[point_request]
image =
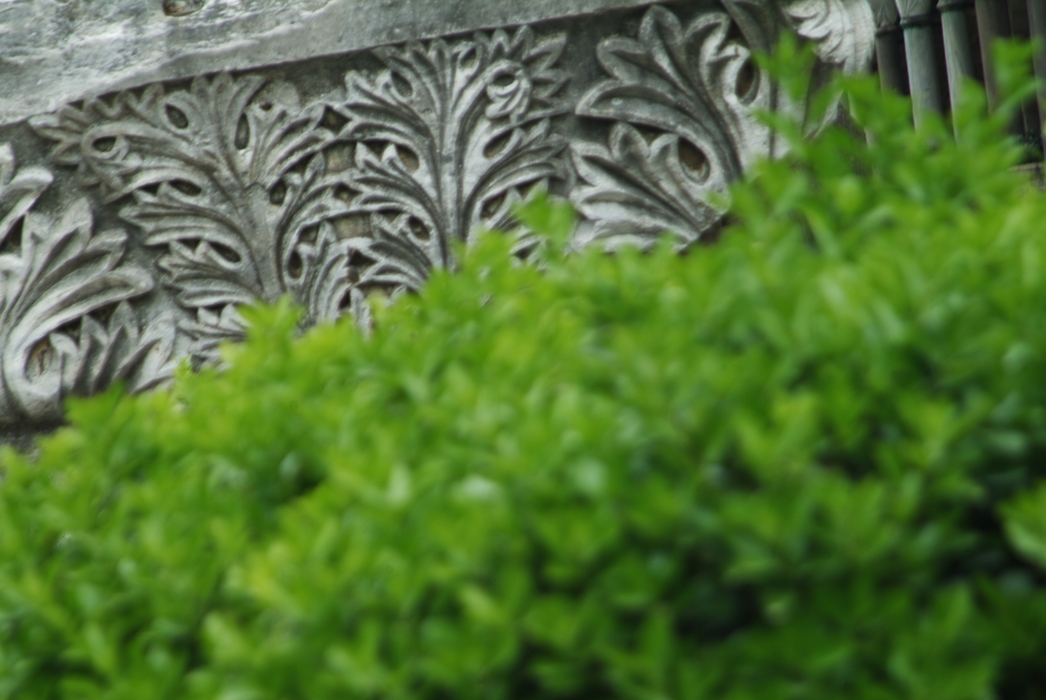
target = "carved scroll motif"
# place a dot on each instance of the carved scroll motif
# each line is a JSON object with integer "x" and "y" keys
{"x": 238, "y": 190}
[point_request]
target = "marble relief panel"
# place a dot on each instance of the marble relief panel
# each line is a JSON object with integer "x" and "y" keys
{"x": 134, "y": 224}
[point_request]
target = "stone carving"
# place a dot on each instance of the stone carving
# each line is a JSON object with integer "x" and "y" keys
{"x": 228, "y": 178}
{"x": 65, "y": 323}
{"x": 449, "y": 138}
{"x": 842, "y": 30}
{"x": 684, "y": 100}
{"x": 234, "y": 189}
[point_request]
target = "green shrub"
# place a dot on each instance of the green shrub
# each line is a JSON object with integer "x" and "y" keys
{"x": 806, "y": 462}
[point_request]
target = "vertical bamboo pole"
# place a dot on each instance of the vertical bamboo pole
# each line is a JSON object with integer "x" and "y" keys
{"x": 958, "y": 47}
{"x": 993, "y": 22}
{"x": 1037, "y": 32}
{"x": 889, "y": 47}
{"x": 918, "y": 24}
{"x": 1037, "y": 29}
{"x": 1028, "y": 119}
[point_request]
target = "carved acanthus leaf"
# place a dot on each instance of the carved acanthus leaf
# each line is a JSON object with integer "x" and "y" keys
{"x": 636, "y": 190}
{"x": 450, "y": 136}
{"x": 692, "y": 90}
{"x": 843, "y": 31}
{"x": 227, "y": 176}
{"x": 685, "y": 102}
{"x": 65, "y": 323}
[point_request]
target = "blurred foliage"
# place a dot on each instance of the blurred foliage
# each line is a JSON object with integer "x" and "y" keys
{"x": 806, "y": 462}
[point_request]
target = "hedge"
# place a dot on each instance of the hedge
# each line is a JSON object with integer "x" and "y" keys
{"x": 806, "y": 462}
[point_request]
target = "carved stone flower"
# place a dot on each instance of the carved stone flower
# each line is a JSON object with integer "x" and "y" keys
{"x": 509, "y": 90}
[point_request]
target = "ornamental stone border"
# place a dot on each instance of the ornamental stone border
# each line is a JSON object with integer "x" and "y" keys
{"x": 163, "y": 162}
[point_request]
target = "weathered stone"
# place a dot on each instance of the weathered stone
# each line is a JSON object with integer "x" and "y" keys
{"x": 328, "y": 149}
{"x": 59, "y": 51}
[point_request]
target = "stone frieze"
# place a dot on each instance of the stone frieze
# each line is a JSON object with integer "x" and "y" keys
{"x": 134, "y": 224}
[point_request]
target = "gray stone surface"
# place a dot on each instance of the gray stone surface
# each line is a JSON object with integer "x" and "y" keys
{"x": 348, "y": 158}
{"x": 58, "y": 51}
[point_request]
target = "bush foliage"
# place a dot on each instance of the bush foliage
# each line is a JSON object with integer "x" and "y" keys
{"x": 806, "y": 462}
